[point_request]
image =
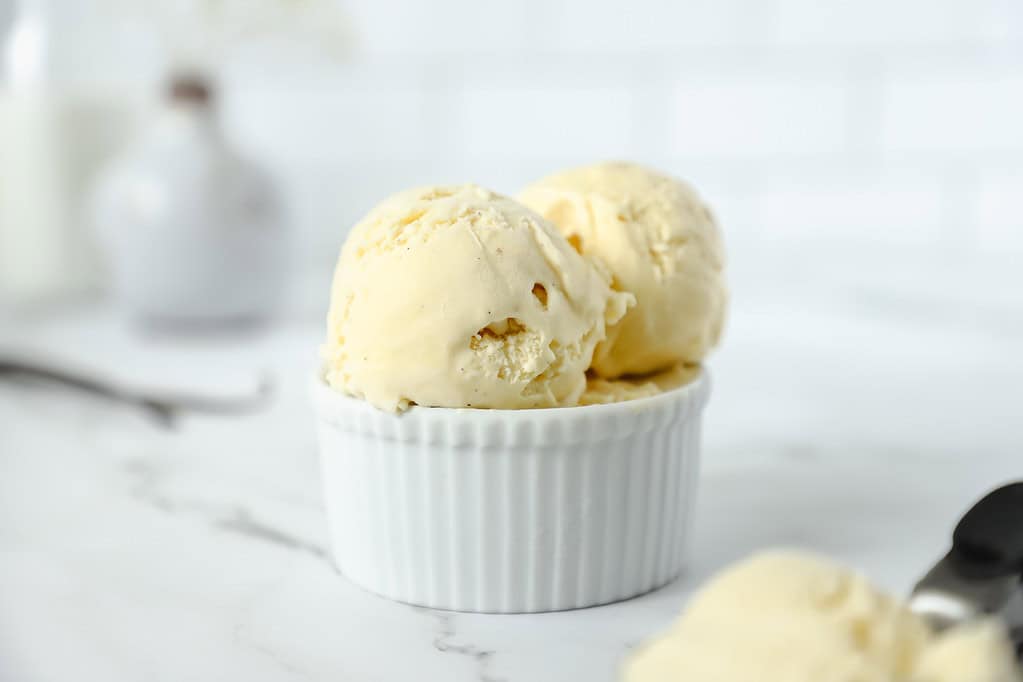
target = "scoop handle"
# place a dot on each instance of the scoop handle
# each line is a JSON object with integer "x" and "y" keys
{"x": 988, "y": 542}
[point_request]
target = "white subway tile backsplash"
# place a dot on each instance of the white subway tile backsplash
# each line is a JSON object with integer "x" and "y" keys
{"x": 546, "y": 122}
{"x": 843, "y": 121}
{"x": 648, "y": 25}
{"x": 388, "y": 121}
{"x": 903, "y": 208}
{"x": 440, "y": 26}
{"x": 758, "y": 116}
{"x": 870, "y": 23}
{"x": 999, "y": 215}
{"x": 963, "y": 112}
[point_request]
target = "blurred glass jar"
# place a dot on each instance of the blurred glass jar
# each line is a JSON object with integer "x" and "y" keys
{"x": 64, "y": 110}
{"x": 192, "y": 233}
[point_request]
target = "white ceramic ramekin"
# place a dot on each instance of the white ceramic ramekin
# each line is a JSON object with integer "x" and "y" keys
{"x": 511, "y": 511}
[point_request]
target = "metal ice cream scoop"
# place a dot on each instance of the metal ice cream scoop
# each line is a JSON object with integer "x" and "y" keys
{"x": 982, "y": 575}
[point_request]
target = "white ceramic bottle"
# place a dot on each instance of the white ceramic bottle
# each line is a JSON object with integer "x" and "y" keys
{"x": 56, "y": 129}
{"x": 193, "y": 233}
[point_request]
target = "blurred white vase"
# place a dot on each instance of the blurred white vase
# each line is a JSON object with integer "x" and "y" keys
{"x": 192, "y": 232}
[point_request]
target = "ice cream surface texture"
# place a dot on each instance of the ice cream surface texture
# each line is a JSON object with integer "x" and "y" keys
{"x": 661, "y": 243}
{"x": 601, "y": 391}
{"x": 461, "y": 297}
{"x": 794, "y": 617}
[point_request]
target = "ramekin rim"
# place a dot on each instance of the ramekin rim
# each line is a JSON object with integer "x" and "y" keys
{"x": 696, "y": 390}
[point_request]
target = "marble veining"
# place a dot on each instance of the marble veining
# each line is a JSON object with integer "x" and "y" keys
{"x": 243, "y": 523}
{"x": 444, "y": 642}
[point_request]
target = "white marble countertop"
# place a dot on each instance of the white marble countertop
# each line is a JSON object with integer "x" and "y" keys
{"x": 861, "y": 404}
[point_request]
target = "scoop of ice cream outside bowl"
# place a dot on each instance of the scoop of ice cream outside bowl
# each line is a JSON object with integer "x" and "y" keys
{"x": 511, "y": 511}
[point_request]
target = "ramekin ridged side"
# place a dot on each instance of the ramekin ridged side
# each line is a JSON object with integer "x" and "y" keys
{"x": 511, "y": 511}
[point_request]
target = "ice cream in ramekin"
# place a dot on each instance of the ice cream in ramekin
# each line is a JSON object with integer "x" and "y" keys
{"x": 474, "y": 457}
{"x": 661, "y": 243}
{"x": 461, "y": 297}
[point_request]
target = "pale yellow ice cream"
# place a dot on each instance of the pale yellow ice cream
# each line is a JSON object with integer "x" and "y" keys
{"x": 661, "y": 243}
{"x": 972, "y": 653}
{"x": 794, "y": 617}
{"x": 600, "y": 391}
{"x": 461, "y": 297}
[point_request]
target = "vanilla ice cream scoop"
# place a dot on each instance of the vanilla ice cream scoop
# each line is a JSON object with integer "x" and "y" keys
{"x": 661, "y": 243}
{"x": 600, "y": 391}
{"x": 461, "y": 297}
{"x": 800, "y": 618}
